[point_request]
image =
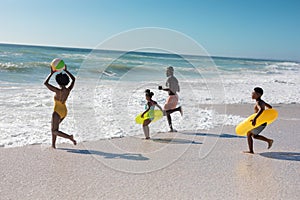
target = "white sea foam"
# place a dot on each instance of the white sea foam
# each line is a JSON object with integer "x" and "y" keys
{"x": 103, "y": 109}
{"x": 278, "y": 88}
{"x": 8, "y": 65}
{"x": 74, "y": 55}
{"x": 94, "y": 112}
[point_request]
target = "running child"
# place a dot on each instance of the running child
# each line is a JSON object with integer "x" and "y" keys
{"x": 150, "y": 109}
{"x": 259, "y": 109}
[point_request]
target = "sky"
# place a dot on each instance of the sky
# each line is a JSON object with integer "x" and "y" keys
{"x": 235, "y": 28}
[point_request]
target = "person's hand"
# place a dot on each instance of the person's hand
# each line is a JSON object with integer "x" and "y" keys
{"x": 142, "y": 115}
{"x": 66, "y": 68}
{"x": 52, "y": 71}
{"x": 253, "y": 122}
{"x": 160, "y": 87}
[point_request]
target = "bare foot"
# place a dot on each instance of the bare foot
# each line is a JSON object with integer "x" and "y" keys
{"x": 172, "y": 130}
{"x": 147, "y": 138}
{"x": 270, "y": 143}
{"x": 251, "y": 152}
{"x": 72, "y": 139}
{"x": 53, "y": 146}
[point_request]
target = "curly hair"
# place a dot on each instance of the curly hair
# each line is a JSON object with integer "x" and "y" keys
{"x": 149, "y": 93}
{"x": 62, "y": 79}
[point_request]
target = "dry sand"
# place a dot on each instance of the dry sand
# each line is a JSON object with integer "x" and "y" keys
{"x": 186, "y": 165}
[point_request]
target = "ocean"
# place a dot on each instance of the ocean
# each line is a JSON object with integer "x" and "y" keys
{"x": 109, "y": 90}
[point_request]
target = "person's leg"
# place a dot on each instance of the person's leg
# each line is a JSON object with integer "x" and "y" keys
{"x": 174, "y": 110}
{"x": 250, "y": 143}
{"x": 263, "y": 138}
{"x": 169, "y": 121}
{"x": 53, "y": 141}
{"x": 146, "y": 128}
{"x": 170, "y": 107}
{"x": 54, "y": 126}
{"x": 55, "y": 132}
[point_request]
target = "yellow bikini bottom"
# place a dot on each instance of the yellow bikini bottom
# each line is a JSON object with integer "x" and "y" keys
{"x": 60, "y": 108}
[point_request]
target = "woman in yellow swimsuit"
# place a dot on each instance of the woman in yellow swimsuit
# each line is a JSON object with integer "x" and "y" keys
{"x": 60, "y": 98}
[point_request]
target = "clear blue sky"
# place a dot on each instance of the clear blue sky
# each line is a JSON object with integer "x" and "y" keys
{"x": 238, "y": 28}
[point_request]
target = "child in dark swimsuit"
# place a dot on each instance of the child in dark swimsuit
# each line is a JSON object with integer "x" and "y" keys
{"x": 149, "y": 111}
{"x": 60, "y": 98}
{"x": 259, "y": 108}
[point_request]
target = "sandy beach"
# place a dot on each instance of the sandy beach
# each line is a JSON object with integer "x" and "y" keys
{"x": 184, "y": 165}
{"x": 86, "y": 70}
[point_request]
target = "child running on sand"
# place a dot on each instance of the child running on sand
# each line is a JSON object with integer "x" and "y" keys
{"x": 150, "y": 109}
{"x": 259, "y": 109}
{"x": 60, "y": 98}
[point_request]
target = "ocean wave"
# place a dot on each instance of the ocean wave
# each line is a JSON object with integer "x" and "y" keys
{"x": 20, "y": 67}
{"x": 286, "y": 66}
{"x": 74, "y": 55}
{"x": 22, "y": 73}
{"x": 119, "y": 67}
{"x": 7, "y": 54}
{"x": 269, "y": 68}
{"x": 109, "y": 73}
{"x": 283, "y": 82}
{"x": 9, "y": 66}
{"x": 154, "y": 56}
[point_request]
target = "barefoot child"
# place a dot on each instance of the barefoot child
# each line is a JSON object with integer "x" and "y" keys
{"x": 259, "y": 109}
{"x": 60, "y": 98}
{"x": 149, "y": 107}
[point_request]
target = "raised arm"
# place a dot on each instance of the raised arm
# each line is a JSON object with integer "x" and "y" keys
{"x": 48, "y": 85}
{"x": 72, "y": 77}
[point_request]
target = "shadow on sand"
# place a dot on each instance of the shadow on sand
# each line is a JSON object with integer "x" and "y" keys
{"x": 127, "y": 156}
{"x": 223, "y": 135}
{"x": 293, "y": 156}
{"x": 175, "y": 141}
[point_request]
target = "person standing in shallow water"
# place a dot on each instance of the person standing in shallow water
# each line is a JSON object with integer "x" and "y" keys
{"x": 60, "y": 98}
{"x": 172, "y": 87}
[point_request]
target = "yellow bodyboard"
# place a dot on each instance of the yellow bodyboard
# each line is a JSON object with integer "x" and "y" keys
{"x": 158, "y": 114}
{"x": 268, "y": 116}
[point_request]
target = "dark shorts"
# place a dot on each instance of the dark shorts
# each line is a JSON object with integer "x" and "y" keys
{"x": 259, "y": 129}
